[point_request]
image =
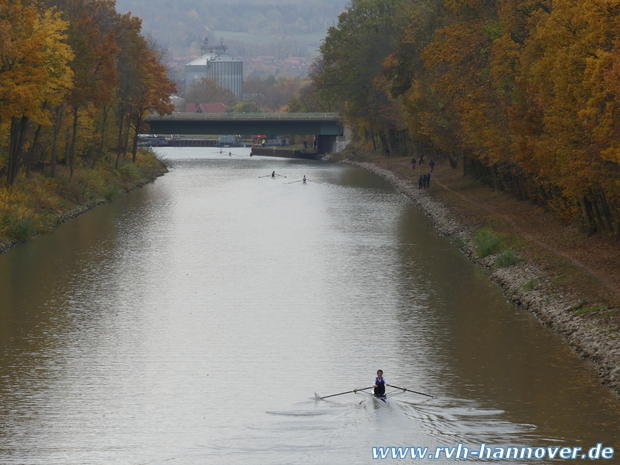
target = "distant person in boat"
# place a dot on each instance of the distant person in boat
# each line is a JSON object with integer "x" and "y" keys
{"x": 379, "y": 384}
{"x": 273, "y": 174}
{"x": 304, "y": 178}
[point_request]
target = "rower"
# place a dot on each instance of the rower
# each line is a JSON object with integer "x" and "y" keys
{"x": 379, "y": 384}
{"x": 304, "y": 178}
{"x": 273, "y": 174}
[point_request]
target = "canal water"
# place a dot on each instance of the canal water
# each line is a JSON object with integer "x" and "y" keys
{"x": 193, "y": 321}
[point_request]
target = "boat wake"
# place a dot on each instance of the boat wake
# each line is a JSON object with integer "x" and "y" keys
{"x": 300, "y": 413}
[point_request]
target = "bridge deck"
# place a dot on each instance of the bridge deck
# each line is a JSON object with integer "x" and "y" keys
{"x": 326, "y": 124}
{"x": 248, "y": 116}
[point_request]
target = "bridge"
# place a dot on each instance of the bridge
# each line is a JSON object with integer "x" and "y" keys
{"x": 319, "y": 124}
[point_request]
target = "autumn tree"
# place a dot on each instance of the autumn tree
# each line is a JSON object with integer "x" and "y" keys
{"x": 94, "y": 66}
{"x": 570, "y": 66}
{"x": 79, "y": 55}
{"x": 152, "y": 92}
{"x": 33, "y": 71}
{"x": 524, "y": 92}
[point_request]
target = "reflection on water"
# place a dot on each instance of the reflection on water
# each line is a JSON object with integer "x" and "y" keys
{"x": 192, "y": 321}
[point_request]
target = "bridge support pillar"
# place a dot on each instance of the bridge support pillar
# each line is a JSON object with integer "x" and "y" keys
{"x": 325, "y": 144}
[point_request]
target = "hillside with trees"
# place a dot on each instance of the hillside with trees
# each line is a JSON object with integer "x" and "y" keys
{"x": 250, "y": 28}
{"x": 522, "y": 94}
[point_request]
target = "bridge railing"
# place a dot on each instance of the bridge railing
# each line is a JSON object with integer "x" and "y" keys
{"x": 249, "y": 116}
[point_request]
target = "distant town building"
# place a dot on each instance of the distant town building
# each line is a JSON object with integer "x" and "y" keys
{"x": 217, "y": 65}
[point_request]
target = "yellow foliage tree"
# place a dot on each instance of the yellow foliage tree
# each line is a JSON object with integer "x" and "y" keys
{"x": 34, "y": 70}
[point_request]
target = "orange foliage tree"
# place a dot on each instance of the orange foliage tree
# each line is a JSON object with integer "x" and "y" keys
{"x": 523, "y": 92}
{"x": 79, "y": 55}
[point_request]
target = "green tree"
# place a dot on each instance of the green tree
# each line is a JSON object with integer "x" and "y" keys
{"x": 352, "y": 66}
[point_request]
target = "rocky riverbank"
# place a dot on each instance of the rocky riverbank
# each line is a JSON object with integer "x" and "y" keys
{"x": 594, "y": 339}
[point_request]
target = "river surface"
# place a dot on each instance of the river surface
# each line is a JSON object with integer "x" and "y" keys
{"x": 193, "y": 320}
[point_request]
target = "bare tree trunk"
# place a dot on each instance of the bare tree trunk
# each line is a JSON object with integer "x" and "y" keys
{"x": 120, "y": 138}
{"x": 605, "y": 209}
{"x": 589, "y": 222}
{"x": 73, "y": 141}
{"x": 18, "y": 131}
{"x": 374, "y": 143}
{"x": 55, "y": 140}
{"x": 134, "y": 148}
{"x": 597, "y": 212}
{"x": 32, "y": 149}
{"x": 453, "y": 160}
{"x": 384, "y": 143}
{"x": 494, "y": 177}
{"x": 126, "y": 136}
{"x": 104, "y": 120}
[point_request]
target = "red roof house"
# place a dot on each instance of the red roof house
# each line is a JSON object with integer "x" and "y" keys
{"x": 205, "y": 108}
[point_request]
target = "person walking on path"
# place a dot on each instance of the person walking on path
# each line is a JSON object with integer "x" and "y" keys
{"x": 431, "y": 165}
{"x": 413, "y": 162}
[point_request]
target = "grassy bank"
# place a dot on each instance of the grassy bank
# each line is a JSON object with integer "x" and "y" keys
{"x": 37, "y": 203}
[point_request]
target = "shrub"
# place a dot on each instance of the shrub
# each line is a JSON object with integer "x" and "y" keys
{"x": 530, "y": 284}
{"x": 487, "y": 242}
{"x": 18, "y": 228}
{"x": 507, "y": 258}
{"x": 128, "y": 171}
{"x": 44, "y": 197}
{"x": 112, "y": 192}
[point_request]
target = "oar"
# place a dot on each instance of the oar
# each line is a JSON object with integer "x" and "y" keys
{"x": 282, "y": 176}
{"x": 341, "y": 393}
{"x": 292, "y": 182}
{"x": 266, "y": 176}
{"x": 409, "y": 390}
